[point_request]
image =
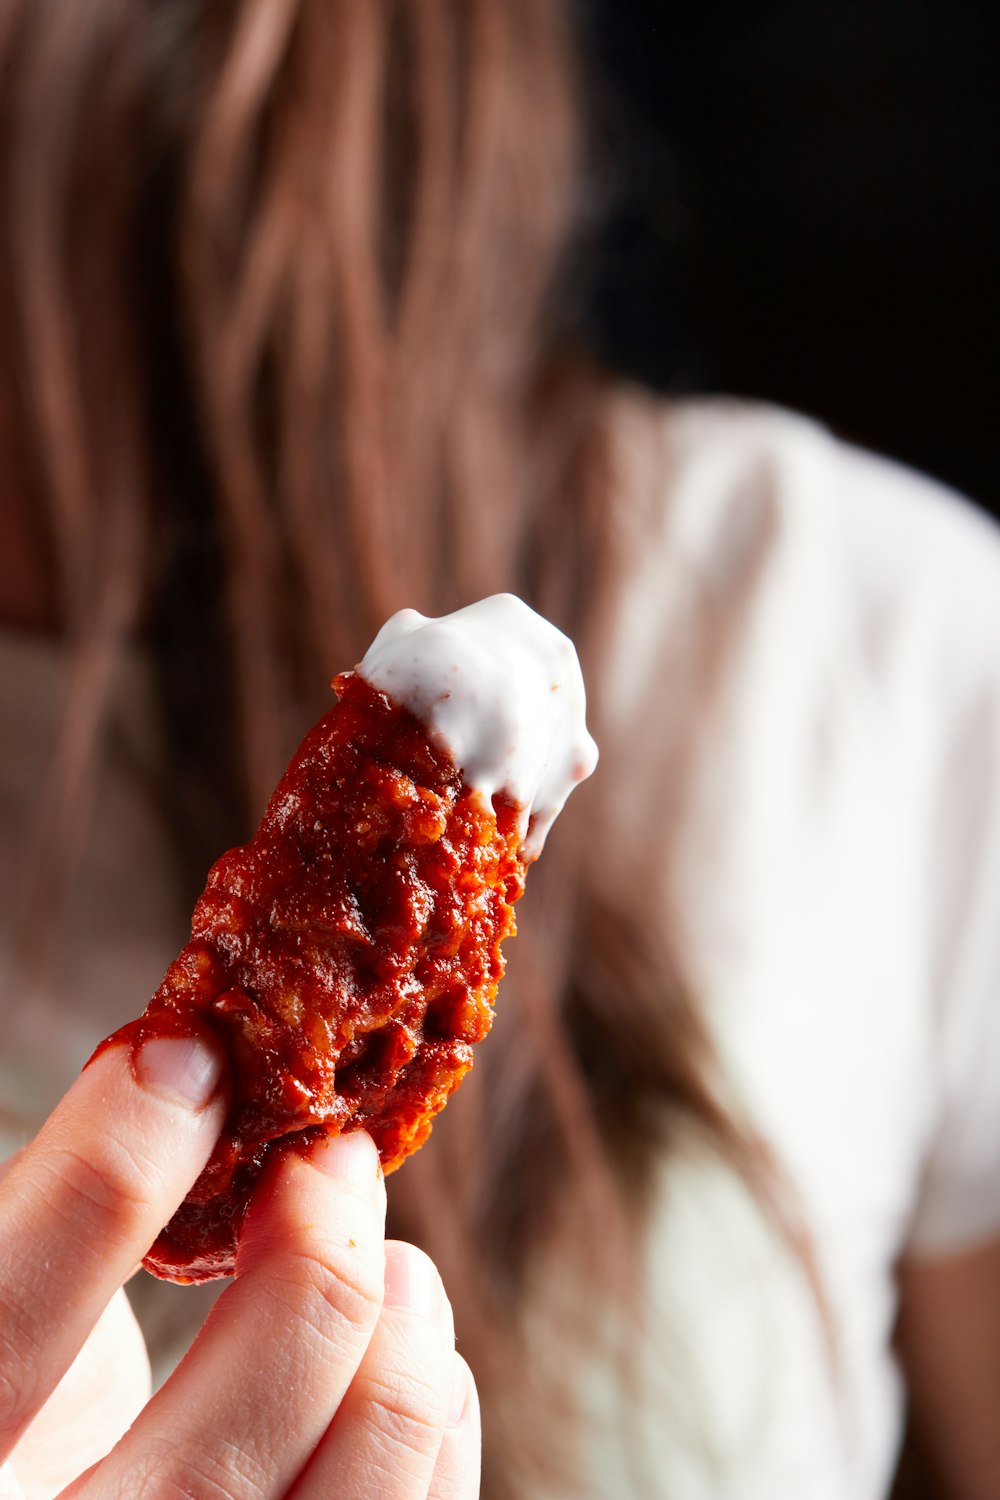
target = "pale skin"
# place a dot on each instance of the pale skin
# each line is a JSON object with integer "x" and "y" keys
{"x": 949, "y": 1339}
{"x": 328, "y": 1367}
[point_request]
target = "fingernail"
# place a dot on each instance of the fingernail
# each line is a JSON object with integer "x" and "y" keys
{"x": 183, "y": 1068}
{"x": 460, "y": 1379}
{"x": 412, "y": 1281}
{"x": 352, "y": 1158}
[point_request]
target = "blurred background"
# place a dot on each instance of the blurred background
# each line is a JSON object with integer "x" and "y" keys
{"x": 799, "y": 200}
{"x": 805, "y": 207}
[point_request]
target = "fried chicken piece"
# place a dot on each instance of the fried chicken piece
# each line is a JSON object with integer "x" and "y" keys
{"x": 348, "y": 956}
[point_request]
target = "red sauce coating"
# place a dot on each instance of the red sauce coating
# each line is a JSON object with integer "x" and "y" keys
{"x": 348, "y": 958}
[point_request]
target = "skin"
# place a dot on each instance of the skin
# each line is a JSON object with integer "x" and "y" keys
{"x": 949, "y": 1339}
{"x": 328, "y": 1366}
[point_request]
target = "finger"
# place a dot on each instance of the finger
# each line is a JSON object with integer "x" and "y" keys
{"x": 97, "y": 1399}
{"x": 244, "y": 1410}
{"x": 456, "y": 1473}
{"x": 384, "y": 1440}
{"x": 85, "y": 1200}
{"x": 9, "y": 1487}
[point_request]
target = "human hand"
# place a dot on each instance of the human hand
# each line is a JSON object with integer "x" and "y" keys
{"x": 327, "y": 1367}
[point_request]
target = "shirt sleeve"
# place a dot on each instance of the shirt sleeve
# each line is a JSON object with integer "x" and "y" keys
{"x": 951, "y": 562}
{"x": 959, "y": 1198}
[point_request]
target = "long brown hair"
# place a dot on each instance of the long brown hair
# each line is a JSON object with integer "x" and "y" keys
{"x": 279, "y": 292}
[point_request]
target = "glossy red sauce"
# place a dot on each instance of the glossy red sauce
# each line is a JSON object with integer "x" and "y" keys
{"x": 348, "y": 958}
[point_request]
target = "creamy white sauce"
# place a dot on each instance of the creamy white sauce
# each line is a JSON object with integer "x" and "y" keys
{"x": 500, "y": 689}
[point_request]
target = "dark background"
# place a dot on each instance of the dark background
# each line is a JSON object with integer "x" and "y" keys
{"x": 800, "y": 203}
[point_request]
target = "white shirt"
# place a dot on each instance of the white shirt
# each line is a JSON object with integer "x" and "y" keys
{"x": 840, "y": 886}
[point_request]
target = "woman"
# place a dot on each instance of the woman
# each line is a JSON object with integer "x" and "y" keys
{"x": 286, "y": 353}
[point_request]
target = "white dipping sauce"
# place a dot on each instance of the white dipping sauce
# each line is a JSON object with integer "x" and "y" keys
{"x": 500, "y": 689}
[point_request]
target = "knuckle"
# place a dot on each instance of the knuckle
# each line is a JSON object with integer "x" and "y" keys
{"x": 162, "y": 1472}
{"x": 338, "y": 1292}
{"x": 107, "y": 1193}
{"x": 405, "y": 1410}
{"x": 153, "y": 1484}
{"x": 12, "y": 1408}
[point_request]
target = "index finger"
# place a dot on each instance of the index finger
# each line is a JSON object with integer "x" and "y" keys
{"x": 82, "y": 1204}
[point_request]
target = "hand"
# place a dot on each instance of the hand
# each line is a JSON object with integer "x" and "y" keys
{"x": 326, "y": 1368}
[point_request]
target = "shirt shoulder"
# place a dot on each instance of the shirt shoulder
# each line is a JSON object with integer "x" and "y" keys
{"x": 716, "y": 457}
{"x": 856, "y": 556}
{"x": 863, "y": 739}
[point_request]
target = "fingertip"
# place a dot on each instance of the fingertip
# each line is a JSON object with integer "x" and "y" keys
{"x": 413, "y": 1282}
{"x": 350, "y": 1157}
{"x": 186, "y": 1070}
{"x": 176, "y": 1058}
{"x": 312, "y": 1191}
